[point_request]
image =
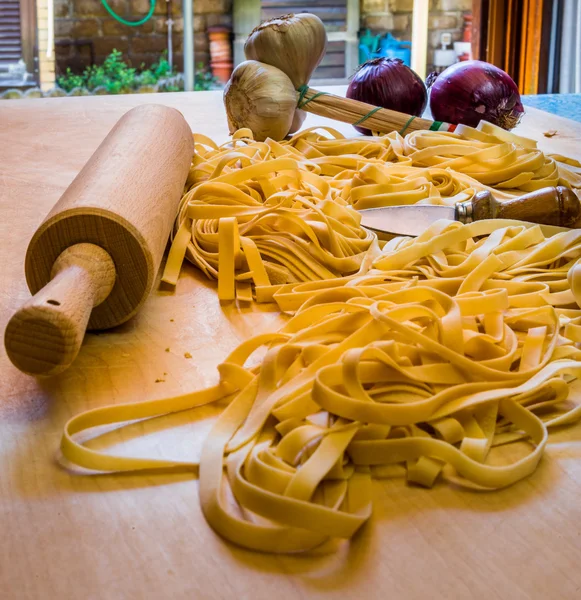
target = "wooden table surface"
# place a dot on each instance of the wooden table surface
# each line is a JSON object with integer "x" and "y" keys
{"x": 115, "y": 537}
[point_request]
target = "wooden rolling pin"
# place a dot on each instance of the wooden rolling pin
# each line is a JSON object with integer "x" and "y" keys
{"x": 93, "y": 260}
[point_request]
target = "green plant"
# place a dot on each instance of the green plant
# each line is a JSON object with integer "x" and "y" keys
{"x": 158, "y": 70}
{"x": 162, "y": 68}
{"x": 115, "y": 76}
{"x": 204, "y": 80}
{"x": 171, "y": 84}
{"x": 146, "y": 77}
{"x": 70, "y": 81}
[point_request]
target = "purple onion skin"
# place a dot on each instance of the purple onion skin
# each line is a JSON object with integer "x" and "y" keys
{"x": 389, "y": 83}
{"x": 473, "y": 90}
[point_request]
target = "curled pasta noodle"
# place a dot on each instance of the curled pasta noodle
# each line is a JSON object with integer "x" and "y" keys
{"x": 291, "y": 222}
{"x": 292, "y": 201}
{"x": 437, "y": 354}
{"x": 481, "y": 156}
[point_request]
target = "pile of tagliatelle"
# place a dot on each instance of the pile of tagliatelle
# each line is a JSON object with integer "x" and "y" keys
{"x": 282, "y": 212}
{"x": 419, "y": 356}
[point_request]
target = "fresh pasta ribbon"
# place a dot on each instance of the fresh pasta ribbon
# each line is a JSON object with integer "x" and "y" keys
{"x": 428, "y": 361}
{"x": 293, "y": 201}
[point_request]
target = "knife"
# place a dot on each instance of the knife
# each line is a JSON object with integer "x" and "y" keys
{"x": 558, "y": 207}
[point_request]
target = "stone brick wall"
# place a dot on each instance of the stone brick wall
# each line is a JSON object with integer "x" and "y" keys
{"x": 395, "y": 16}
{"x": 87, "y": 22}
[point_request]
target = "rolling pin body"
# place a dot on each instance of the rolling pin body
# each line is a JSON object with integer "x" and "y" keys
{"x": 118, "y": 212}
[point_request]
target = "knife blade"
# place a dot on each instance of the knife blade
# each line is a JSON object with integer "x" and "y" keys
{"x": 558, "y": 208}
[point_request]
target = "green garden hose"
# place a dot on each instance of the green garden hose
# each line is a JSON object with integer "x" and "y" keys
{"x": 130, "y": 23}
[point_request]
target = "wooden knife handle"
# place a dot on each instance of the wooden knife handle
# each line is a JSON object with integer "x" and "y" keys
{"x": 44, "y": 336}
{"x": 549, "y": 206}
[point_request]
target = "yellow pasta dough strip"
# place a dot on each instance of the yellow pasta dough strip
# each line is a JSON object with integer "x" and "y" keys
{"x": 177, "y": 253}
{"x": 229, "y": 244}
{"x": 272, "y": 187}
{"x": 420, "y": 354}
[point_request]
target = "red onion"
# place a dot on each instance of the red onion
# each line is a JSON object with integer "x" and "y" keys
{"x": 471, "y": 91}
{"x": 388, "y": 83}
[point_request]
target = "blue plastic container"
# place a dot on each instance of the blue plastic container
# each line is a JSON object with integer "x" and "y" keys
{"x": 376, "y": 46}
{"x": 391, "y": 47}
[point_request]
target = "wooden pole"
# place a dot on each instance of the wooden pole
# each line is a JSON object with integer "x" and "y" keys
{"x": 420, "y": 36}
{"x": 188, "y": 11}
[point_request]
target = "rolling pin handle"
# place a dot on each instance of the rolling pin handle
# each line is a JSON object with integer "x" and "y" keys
{"x": 45, "y": 335}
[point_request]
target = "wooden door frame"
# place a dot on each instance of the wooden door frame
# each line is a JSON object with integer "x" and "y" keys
{"x": 479, "y": 13}
{"x": 28, "y": 36}
{"x": 511, "y": 36}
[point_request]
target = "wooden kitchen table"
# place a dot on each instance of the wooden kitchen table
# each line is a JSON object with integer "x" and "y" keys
{"x": 66, "y": 536}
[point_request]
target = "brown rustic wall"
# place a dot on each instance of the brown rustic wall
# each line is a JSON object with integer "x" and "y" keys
{"x": 85, "y": 25}
{"x": 396, "y": 16}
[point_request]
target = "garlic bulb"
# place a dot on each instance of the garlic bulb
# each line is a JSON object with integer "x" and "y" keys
{"x": 293, "y": 43}
{"x": 298, "y": 118}
{"x": 262, "y": 98}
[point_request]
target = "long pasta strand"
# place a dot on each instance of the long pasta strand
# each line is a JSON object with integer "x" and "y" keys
{"x": 293, "y": 201}
{"x": 440, "y": 351}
